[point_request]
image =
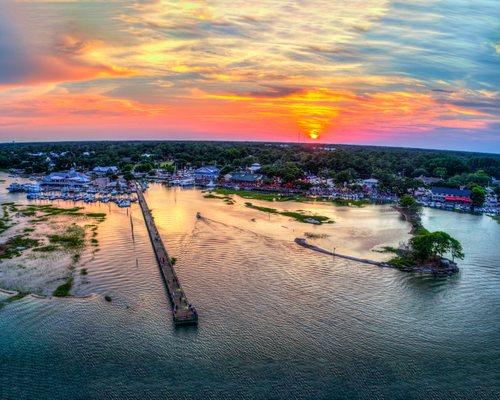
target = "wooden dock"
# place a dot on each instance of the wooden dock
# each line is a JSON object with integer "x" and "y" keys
{"x": 183, "y": 312}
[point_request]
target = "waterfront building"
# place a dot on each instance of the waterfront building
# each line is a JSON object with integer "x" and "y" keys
{"x": 105, "y": 170}
{"x": 206, "y": 173}
{"x": 444, "y": 194}
{"x": 243, "y": 177}
{"x": 69, "y": 178}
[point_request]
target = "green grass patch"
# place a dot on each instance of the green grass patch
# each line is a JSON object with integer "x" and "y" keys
{"x": 83, "y": 271}
{"x": 4, "y": 225}
{"x": 100, "y": 216}
{"x": 47, "y": 249}
{"x": 16, "y": 245}
{"x": 496, "y": 218}
{"x": 11, "y": 299}
{"x": 386, "y": 249}
{"x": 50, "y": 210}
{"x": 64, "y": 289}
{"x": 214, "y": 196}
{"x": 263, "y": 209}
{"x": 73, "y": 238}
{"x": 254, "y": 195}
{"x": 27, "y": 230}
{"x": 297, "y": 215}
{"x": 401, "y": 262}
{"x": 350, "y": 203}
{"x": 306, "y": 218}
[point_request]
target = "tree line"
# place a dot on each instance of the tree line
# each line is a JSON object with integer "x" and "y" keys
{"x": 396, "y": 168}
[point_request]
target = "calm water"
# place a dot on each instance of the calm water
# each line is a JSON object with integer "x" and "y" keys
{"x": 276, "y": 321}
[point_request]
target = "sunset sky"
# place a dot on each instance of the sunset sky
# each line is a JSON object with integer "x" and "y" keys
{"x": 402, "y": 73}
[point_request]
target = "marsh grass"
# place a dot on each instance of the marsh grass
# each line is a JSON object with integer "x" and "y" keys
{"x": 47, "y": 249}
{"x": 350, "y": 203}
{"x": 254, "y": 195}
{"x": 49, "y": 210}
{"x": 64, "y": 289}
{"x": 16, "y": 245}
{"x": 297, "y": 215}
{"x": 72, "y": 239}
{"x": 11, "y": 299}
{"x": 100, "y": 217}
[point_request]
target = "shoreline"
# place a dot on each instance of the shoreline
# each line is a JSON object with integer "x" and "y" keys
{"x": 423, "y": 269}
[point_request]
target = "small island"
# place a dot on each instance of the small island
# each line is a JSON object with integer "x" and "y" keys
{"x": 425, "y": 251}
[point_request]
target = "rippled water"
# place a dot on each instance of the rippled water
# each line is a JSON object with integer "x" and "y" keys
{"x": 276, "y": 321}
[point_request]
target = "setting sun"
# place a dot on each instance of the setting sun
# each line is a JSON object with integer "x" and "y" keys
{"x": 314, "y": 134}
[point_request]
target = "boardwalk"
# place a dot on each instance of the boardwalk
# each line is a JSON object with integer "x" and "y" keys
{"x": 183, "y": 312}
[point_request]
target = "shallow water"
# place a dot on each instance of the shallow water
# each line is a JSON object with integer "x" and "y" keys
{"x": 276, "y": 321}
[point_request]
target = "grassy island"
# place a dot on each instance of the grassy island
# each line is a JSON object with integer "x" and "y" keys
{"x": 296, "y": 215}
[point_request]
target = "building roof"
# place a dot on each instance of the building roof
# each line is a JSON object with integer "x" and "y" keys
{"x": 245, "y": 177}
{"x": 458, "y": 198}
{"x": 105, "y": 169}
{"x": 450, "y": 191}
{"x": 428, "y": 179}
{"x": 71, "y": 175}
{"x": 209, "y": 169}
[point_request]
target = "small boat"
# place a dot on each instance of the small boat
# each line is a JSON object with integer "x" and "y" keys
{"x": 124, "y": 203}
{"x": 187, "y": 182}
{"x": 198, "y": 215}
{"x": 32, "y": 188}
{"x": 15, "y": 187}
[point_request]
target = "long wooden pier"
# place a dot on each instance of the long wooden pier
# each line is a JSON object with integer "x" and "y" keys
{"x": 183, "y": 312}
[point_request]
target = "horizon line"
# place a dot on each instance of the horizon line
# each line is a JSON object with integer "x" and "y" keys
{"x": 301, "y": 143}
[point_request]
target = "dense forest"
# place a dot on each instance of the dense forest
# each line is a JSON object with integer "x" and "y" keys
{"x": 289, "y": 161}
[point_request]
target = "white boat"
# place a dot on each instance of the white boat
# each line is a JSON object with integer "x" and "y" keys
{"x": 124, "y": 203}
{"x": 186, "y": 182}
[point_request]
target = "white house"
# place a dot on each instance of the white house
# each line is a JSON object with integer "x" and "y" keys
{"x": 105, "y": 170}
{"x": 255, "y": 167}
{"x": 371, "y": 182}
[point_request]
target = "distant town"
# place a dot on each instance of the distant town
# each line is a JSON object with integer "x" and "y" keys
{"x": 92, "y": 172}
